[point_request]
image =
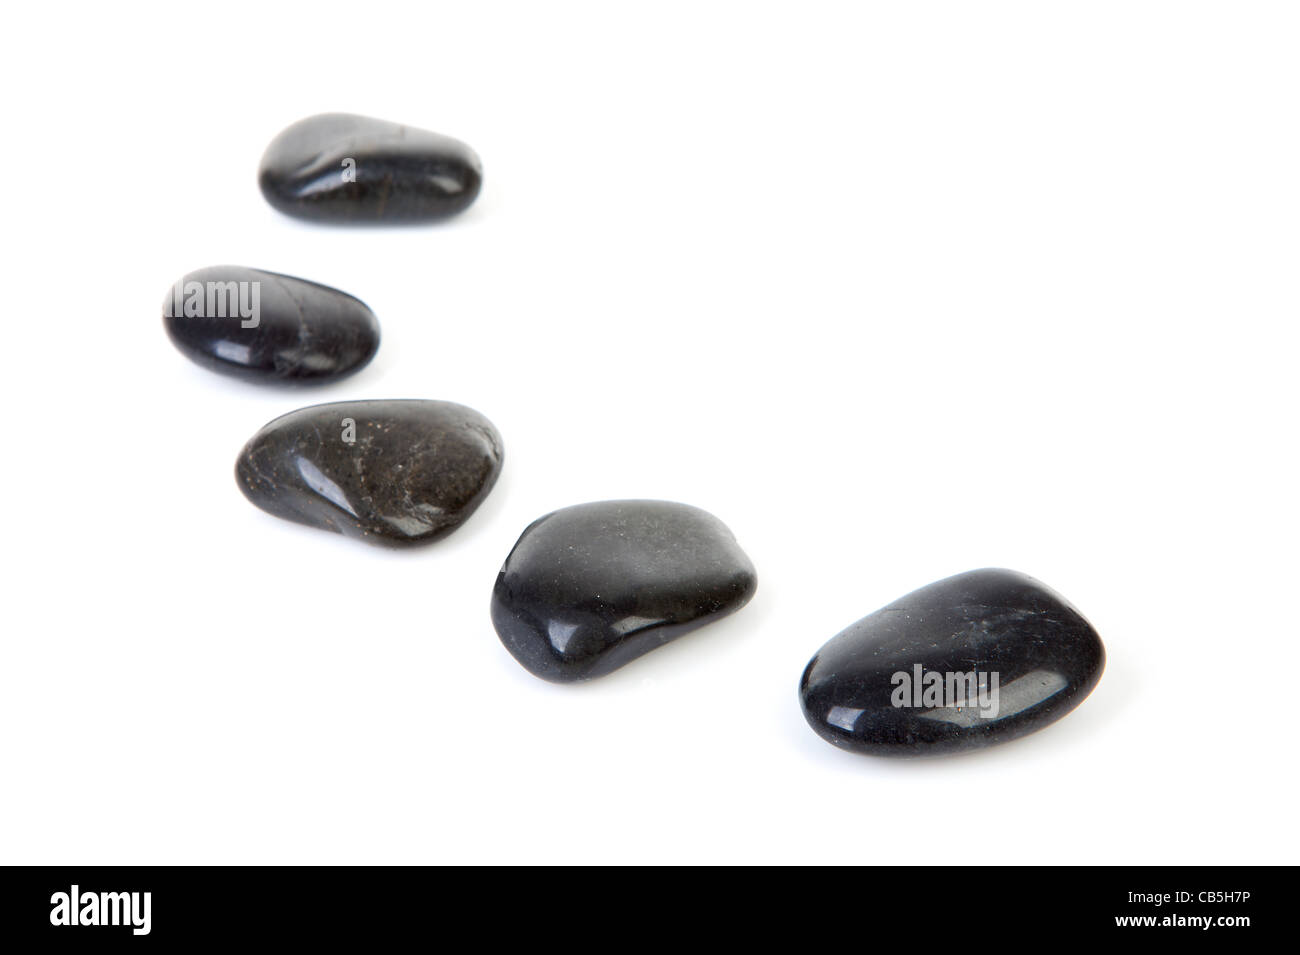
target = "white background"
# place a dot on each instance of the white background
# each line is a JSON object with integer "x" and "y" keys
{"x": 897, "y": 291}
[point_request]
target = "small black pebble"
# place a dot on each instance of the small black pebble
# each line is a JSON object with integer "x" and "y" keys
{"x": 589, "y": 588}
{"x": 387, "y": 472}
{"x": 266, "y": 327}
{"x": 341, "y": 168}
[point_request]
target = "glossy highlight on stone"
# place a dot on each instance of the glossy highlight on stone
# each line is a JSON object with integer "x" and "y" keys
{"x": 269, "y": 328}
{"x": 1011, "y": 657}
{"x": 589, "y": 588}
{"x": 393, "y": 472}
{"x": 343, "y": 168}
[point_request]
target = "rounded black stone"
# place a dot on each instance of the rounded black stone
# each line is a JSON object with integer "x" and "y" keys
{"x": 387, "y": 472}
{"x": 342, "y": 168}
{"x": 869, "y": 689}
{"x": 266, "y": 327}
{"x": 589, "y": 588}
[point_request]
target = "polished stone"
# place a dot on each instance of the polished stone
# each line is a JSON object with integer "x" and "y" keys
{"x": 386, "y": 472}
{"x": 591, "y": 587}
{"x": 266, "y": 327}
{"x": 337, "y": 167}
{"x": 1023, "y": 655}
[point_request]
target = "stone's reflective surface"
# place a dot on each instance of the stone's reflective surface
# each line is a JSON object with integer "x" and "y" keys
{"x": 266, "y": 327}
{"x": 386, "y": 472}
{"x": 337, "y": 167}
{"x": 591, "y": 587}
{"x": 1039, "y": 657}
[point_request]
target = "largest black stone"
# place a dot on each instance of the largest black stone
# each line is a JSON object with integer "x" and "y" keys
{"x": 343, "y": 168}
{"x": 385, "y": 472}
{"x": 592, "y": 587}
{"x": 1045, "y": 655}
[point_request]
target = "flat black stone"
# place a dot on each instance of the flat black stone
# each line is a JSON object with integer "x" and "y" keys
{"x": 1046, "y": 656}
{"x": 266, "y": 327}
{"x": 592, "y": 587}
{"x": 414, "y": 471}
{"x": 341, "y": 168}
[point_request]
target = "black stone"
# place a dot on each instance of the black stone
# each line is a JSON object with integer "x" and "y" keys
{"x": 412, "y": 473}
{"x": 337, "y": 167}
{"x": 266, "y": 327}
{"x": 592, "y": 587}
{"x": 1046, "y": 656}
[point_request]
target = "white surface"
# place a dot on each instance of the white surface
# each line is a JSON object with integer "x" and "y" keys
{"x": 895, "y": 291}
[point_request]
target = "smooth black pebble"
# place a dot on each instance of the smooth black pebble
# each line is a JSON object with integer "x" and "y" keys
{"x": 266, "y": 327}
{"x": 342, "y": 168}
{"x": 1032, "y": 656}
{"x": 589, "y": 588}
{"x": 386, "y": 472}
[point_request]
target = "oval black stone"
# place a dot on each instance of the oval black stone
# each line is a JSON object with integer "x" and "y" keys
{"x": 341, "y": 168}
{"x": 1010, "y": 656}
{"x": 387, "y": 472}
{"x": 266, "y": 327}
{"x": 589, "y": 588}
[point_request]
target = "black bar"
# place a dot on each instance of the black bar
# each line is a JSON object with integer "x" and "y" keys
{"x": 378, "y": 906}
